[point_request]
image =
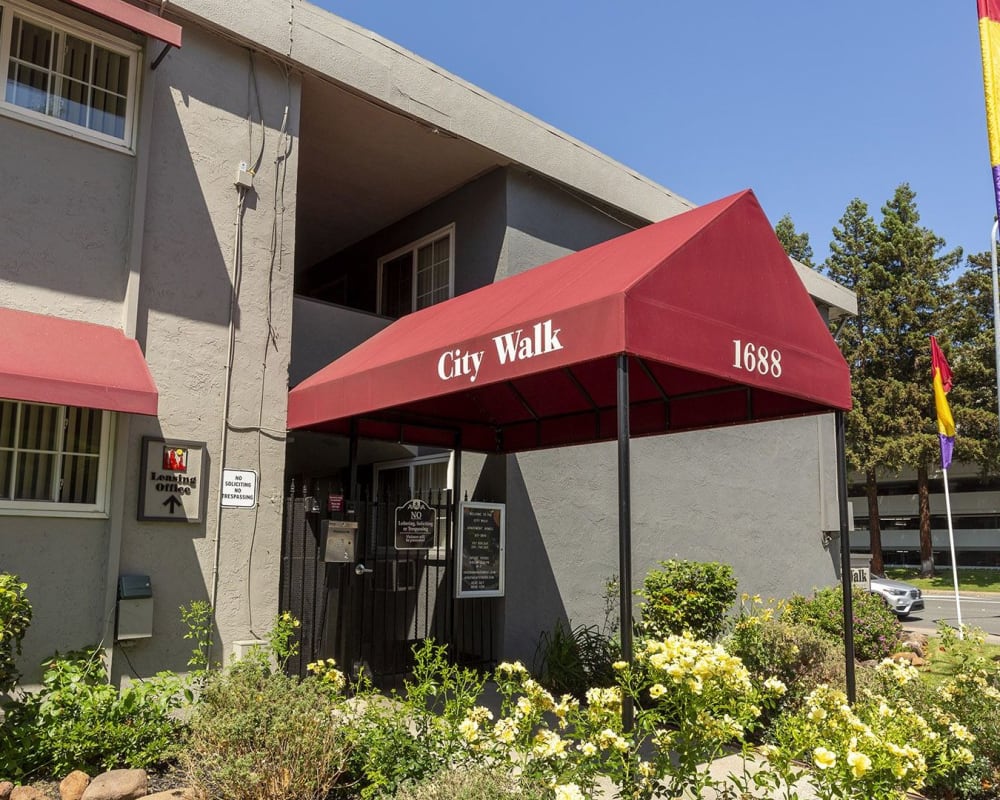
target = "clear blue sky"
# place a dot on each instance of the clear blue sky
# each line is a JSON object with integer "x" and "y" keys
{"x": 809, "y": 104}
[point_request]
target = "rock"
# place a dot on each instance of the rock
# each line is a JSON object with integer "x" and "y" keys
{"x": 73, "y": 785}
{"x": 910, "y": 657}
{"x": 913, "y": 646}
{"x": 6, "y": 787}
{"x": 118, "y": 784}
{"x": 26, "y": 793}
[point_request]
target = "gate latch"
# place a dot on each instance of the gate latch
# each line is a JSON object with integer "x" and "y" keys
{"x": 361, "y": 569}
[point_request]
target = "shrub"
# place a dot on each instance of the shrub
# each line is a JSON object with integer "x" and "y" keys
{"x": 15, "y": 617}
{"x": 575, "y": 660}
{"x": 408, "y": 737}
{"x": 971, "y": 696}
{"x": 258, "y": 733}
{"x": 79, "y": 721}
{"x": 774, "y": 647}
{"x": 876, "y": 629}
{"x": 690, "y": 596}
{"x": 878, "y": 749}
{"x": 473, "y": 784}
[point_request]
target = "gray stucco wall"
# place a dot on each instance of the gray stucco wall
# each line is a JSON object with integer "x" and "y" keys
{"x": 546, "y": 221}
{"x": 200, "y": 135}
{"x": 322, "y": 332}
{"x": 67, "y": 243}
{"x": 64, "y": 219}
{"x": 478, "y": 212}
{"x": 749, "y": 496}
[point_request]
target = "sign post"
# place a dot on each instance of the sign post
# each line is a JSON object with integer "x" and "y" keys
{"x": 480, "y": 550}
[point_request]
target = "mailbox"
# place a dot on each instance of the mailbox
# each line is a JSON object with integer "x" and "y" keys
{"x": 338, "y": 540}
{"x": 135, "y": 607}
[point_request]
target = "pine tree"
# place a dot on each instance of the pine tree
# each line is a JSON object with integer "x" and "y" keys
{"x": 796, "y": 244}
{"x": 918, "y": 272}
{"x": 853, "y": 263}
{"x": 973, "y": 398}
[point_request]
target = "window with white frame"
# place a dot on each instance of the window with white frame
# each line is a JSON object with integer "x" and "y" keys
{"x": 418, "y": 275}
{"x": 52, "y": 458}
{"x": 65, "y": 75}
{"x": 424, "y": 477}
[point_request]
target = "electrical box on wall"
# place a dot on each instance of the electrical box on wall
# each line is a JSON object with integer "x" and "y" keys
{"x": 338, "y": 540}
{"x": 135, "y": 608}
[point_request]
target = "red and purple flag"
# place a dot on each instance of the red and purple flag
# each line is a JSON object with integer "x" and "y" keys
{"x": 941, "y": 374}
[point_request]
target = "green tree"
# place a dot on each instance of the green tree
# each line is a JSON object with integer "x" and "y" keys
{"x": 900, "y": 275}
{"x": 853, "y": 262}
{"x": 796, "y": 244}
{"x": 912, "y": 257}
{"x": 973, "y": 398}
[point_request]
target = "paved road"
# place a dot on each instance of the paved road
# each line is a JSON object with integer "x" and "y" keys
{"x": 979, "y": 610}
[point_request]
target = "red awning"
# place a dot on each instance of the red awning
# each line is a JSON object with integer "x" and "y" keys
{"x": 717, "y": 325}
{"x": 63, "y": 362}
{"x": 134, "y": 18}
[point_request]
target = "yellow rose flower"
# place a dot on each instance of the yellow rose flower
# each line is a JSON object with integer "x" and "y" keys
{"x": 859, "y": 763}
{"x": 823, "y": 758}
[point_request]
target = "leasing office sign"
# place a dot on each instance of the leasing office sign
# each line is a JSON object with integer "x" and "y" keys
{"x": 521, "y": 344}
{"x": 172, "y": 487}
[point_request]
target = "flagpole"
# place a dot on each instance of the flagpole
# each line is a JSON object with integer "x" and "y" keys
{"x": 954, "y": 563}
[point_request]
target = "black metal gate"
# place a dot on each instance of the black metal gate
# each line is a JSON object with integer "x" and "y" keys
{"x": 370, "y": 613}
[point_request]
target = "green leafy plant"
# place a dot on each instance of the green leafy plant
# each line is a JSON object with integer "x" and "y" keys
{"x": 574, "y": 660}
{"x": 197, "y": 618}
{"x": 690, "y": 596}
{"x": 258, "y": 733}
{"x": 412, "y": 735}
{"x": 79, "y": 721}
{"x": 876, "y": 629}
{"x": 15, "y": 617}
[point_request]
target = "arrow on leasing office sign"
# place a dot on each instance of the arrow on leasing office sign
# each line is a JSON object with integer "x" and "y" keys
{"x": 172, "y": 503}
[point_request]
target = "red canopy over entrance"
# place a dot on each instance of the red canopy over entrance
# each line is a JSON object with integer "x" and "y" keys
{"x": 716, "y": 324}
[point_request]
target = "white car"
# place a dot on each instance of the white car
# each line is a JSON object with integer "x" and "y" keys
{"x": 901, "y": 598}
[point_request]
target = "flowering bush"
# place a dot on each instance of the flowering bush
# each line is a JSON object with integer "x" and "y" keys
{"x": 876, "y": 750}
{"x": 876, "y": 629}
{"x": 771, "y": 645}
{"x": 691, "y": 699}
{"x": 407, "y": 737}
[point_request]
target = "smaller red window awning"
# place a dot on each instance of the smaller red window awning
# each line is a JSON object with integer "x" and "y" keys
{"x": 134, "y": 18}
{"x": 60, "y": 361}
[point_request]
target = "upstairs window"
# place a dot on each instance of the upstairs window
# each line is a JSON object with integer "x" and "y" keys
{"x": 66, "y": 76}
{"x": 418, "y": 275}
{"x": 52, "y": 458}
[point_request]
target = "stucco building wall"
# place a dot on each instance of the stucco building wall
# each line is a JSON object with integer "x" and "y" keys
{"x": 67, "y": 241}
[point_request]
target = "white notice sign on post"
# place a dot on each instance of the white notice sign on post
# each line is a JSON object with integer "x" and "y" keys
{"x": 239, "y": 488}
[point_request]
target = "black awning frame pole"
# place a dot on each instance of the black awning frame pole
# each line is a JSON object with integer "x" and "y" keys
{"x": 624, "y": 530}
{"x": 352, "y": 461}
{"x": 845, "y": 557}
{"x": 456, "y": 482}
